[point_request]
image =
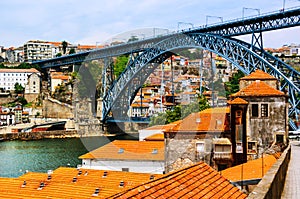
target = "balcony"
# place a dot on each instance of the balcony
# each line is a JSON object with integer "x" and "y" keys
{"x": 222, "y": 156}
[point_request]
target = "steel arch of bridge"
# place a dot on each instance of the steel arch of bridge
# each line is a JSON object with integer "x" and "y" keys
{"x": 240, "y": 54}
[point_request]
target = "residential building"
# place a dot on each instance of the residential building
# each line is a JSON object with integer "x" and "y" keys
{"x": 9, "y": 77}
{"x": 191, "y": 139}
{"x": 7, "y": 117}
{"x": 127, "y": 155}
{"x": 34, "y": 84}
{"x": 263, "y": 114}
{"x": 35, "y": 50}
{"x": 56, "y": 79}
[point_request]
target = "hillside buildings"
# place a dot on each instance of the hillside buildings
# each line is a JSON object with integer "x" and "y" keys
{"x": 35, "y": 50}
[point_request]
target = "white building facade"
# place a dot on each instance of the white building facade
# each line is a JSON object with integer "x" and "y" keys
{"x": 9, "y": 77}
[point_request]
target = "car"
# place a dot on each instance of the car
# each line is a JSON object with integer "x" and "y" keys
{"x": 294, "y": 135}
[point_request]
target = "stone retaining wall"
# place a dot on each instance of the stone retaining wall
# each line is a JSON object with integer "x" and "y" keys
{"x": 40, "y": 135}
{"x": 272, "y": 184}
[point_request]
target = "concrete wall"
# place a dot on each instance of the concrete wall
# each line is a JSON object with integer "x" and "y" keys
{"x": 40, "y": 135}
{"x": 155, "y": 167}
{"x": 272, "y": 184}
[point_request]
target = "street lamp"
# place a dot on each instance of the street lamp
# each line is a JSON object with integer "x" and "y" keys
{"x": 258, "y": 10}
{"x": 209, "y": 16}
{"x": 97, "y": 44}
{"x": 184, "y": 23}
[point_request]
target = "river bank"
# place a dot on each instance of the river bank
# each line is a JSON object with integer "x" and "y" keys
{"x": 57, "y": 134}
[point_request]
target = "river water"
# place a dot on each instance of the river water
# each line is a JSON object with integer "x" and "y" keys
{"x": 48, "y": 154}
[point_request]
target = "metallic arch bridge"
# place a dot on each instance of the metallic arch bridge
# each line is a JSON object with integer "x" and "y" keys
{"x": 147, "y": 54}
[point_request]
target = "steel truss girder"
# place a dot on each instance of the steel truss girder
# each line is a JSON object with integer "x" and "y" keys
{"x": 267, "y": 22}
{"x": 238, "y": 53}
{"x": 277, "y": 20}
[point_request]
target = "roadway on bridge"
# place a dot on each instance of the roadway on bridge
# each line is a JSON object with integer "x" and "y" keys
{"x": 292, "y": 182}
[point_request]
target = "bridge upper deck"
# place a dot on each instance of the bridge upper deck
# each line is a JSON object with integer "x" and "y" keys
{"x": 241, "y": 26}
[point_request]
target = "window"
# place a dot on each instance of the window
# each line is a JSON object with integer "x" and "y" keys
{"x": 33, "y": 82}
{"x": 252, "y": 147}
{"x": 200, "y": 147}
{"x": 125, "y": 169}
{"x": 279, "y": 138}
{"x": 254, "y": 110}
{"x": 264, "y": 110}
{"x": 239, "y": 147}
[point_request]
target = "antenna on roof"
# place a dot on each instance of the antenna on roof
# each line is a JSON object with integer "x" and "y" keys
{"x": 96, "y": 193}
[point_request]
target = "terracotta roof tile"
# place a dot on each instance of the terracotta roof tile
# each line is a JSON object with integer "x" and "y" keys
{"x": 196, "y": 181}
{"x": 132, "y": 150}
{"x": 208, "y": 120}
{"x": 238, "y": 101}
{"x": 251, "y": 170}
{"x": 258, "y": 75}
{"x": 61, "y": 184}
{"x": 258, "y": 88}
{"x": 10, "y": 70}
{"x": 155, "y": 137}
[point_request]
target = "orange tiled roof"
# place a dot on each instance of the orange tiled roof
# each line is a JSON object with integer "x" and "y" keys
{"x": 88, "y": 47}
{"x": 132, "y": 150}
{"x": 163, "y": 127}
{"x": 155, "y": 137}
{"x": 208, "y": 120}
{"x": 62, "y": 77}
{"x": 238, "y": 101}
{"x": 258, "y": 75}
{"x": 258, "y": 88}
{"x": 196, "y": 181}
{"x": 10, "y": 70}
{"x": 251, "y": 170}
{"x": 61, "y": 186}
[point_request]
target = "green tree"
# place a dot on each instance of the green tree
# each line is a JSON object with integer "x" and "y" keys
{"x": 64, "y": 46}
{"x": 233, "y": 85}
{"x": 120, "y": 65}
{"x": 72, "y": 51}
{"x": 179, "y": 112}
{"x": 58, "y": 55}
{"x": 159, "y": 119}
{"x": 19, "y": 89}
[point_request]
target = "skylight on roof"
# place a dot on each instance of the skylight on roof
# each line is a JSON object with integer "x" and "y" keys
{"x": 155, "y": 151}
{"x": 121, "y": 150}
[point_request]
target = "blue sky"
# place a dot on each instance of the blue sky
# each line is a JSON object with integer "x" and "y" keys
{"x": 91, "y": 21}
